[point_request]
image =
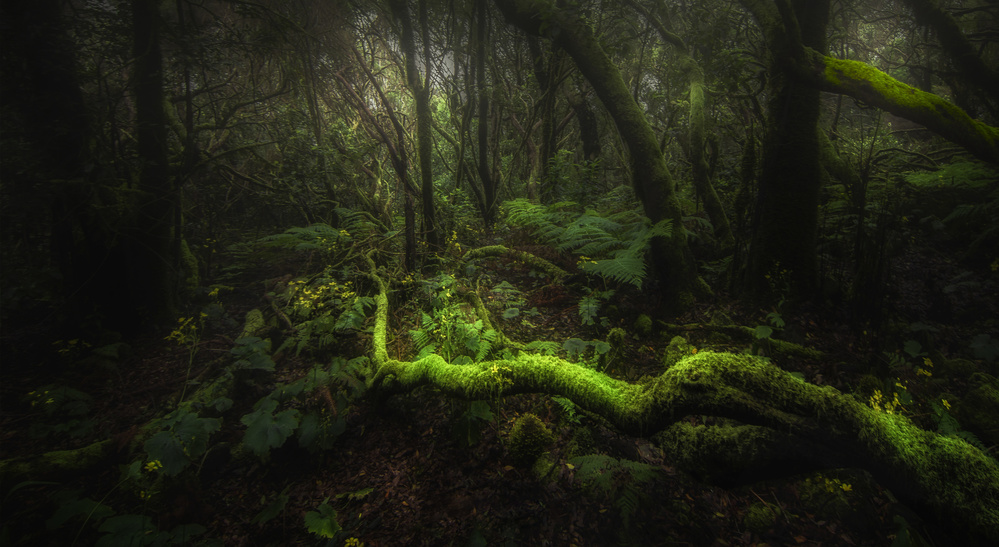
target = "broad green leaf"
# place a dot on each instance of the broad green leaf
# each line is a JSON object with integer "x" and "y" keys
{"x": 322, "y": 523}
{"x": 762, "y": 331}
{"x": 266, "y": 430}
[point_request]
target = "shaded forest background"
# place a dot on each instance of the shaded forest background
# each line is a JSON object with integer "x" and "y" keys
{"x": 292, "y": 272}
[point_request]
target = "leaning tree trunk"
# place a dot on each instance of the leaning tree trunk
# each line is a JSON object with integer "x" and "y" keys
{"x": 652, "y": 179}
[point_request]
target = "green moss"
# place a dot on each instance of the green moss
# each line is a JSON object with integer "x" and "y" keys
{"x": 189, "y": 266}
{"x": 677, "y": 349}
{"x": 528, "y": 439}
{"x": 759, "y": 518}
{"x": 870, "y": 85}
{"x": 253, "y": 324}
{"x": 643, "y": 325}
{"x": 978, "y": 411}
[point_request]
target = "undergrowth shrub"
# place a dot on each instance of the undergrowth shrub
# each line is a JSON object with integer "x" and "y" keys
{"x": 612, "y": 246}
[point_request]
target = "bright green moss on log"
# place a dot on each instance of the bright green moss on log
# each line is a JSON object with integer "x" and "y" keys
{"x": 56, "y": 464}
{"x": 868, "y": 84}
{"x": 946, "y": 477}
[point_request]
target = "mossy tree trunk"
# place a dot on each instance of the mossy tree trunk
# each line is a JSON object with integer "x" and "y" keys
{"x": 782, "y": 259}
{"x": 870, "y": 85}
{"x": 424, "y": 117}
{"x": 487, "y": 177}
{"x": 696, "y": 129}
{"x": 151, "y": 285}
{"x": 653, "y": 182}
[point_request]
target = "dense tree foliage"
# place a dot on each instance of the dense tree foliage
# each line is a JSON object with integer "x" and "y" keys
{"x": 526, "y": 208}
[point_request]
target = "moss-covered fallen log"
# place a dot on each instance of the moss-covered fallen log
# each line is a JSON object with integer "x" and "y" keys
{"x": 527, "y": 258}
{"x": 746, "y": 333}
{"x": 948, "y": 479}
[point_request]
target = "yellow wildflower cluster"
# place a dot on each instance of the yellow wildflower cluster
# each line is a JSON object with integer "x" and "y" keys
{"x": 832, "y": 485}
{"x": 879, "y": 402}
{"x": 40, "y": 397}
{"x": 306, "y": 298}
{"x": 186, "y": 332}
{"x": 452, "y": 242}
{"x": 926, "y": 369}
{"x": 585, "y": 260}
{"x": 153, "y": 465}
{"x": 353, "y": 542}
{"x": 65, "y": 347}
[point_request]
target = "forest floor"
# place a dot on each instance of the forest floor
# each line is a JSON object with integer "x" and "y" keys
{"x": 406, "y": 470}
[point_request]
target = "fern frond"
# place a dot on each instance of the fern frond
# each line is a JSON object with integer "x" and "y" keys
{"x": 626, "y": 268}
{"x": 543, "y": 347}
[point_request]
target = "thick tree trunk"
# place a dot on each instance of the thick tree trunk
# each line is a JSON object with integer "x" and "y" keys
{"x": 652, "y": 179}
{"x": 782, "y": 259}
{"x": 151, "y": 282}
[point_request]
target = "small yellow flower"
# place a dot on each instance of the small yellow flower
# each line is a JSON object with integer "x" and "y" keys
{"x": 846, "y": 487}
{"x": 945, "y": 404}
{"x": 153, "y": 465}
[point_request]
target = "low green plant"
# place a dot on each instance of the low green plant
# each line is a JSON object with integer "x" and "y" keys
{"x": 948, "y": 425}
{"x": 589, "y": 308}
{"x": 63, "y": 411}
{"x": 451, "y": 329}
{"x": 468, "y": 426}
{"x": 323, "y": 521}
{"x": 611, "y": 246}
{"x": 314, "y": 407}
{"x": 272, "y": 508}
{"x": 619, "y": 480}
{"x": 576, "y": 350}
{"x": 181, "y": 441}
{"x": 568, "y": 410}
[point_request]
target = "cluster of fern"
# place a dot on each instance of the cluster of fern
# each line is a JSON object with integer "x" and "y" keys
{"x": 611, "y": 246}
{"x": 451, "y": 330}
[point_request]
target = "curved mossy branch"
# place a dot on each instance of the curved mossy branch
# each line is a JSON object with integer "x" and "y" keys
{"x": 866, "y": 83}
{"x": 950, "y": 479}
{"x": 499, "y": 250}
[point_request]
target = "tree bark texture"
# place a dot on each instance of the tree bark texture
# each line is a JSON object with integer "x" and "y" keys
{"x": 652, "y": 179}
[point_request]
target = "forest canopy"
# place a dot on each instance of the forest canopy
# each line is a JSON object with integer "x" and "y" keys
{"x": 515, "y": 271}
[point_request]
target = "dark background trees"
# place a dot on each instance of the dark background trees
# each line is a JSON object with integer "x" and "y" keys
{"x": 750, "y": 174}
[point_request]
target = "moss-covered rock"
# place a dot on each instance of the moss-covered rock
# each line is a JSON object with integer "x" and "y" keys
{"x": 678, "y": 349}
{"x": 956, "y": 368}
{"x": 528, "y": 439}
{"x": 759, "y": 518}
{"x": 643, "y": 325}
{"x": 978, "y": 411}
